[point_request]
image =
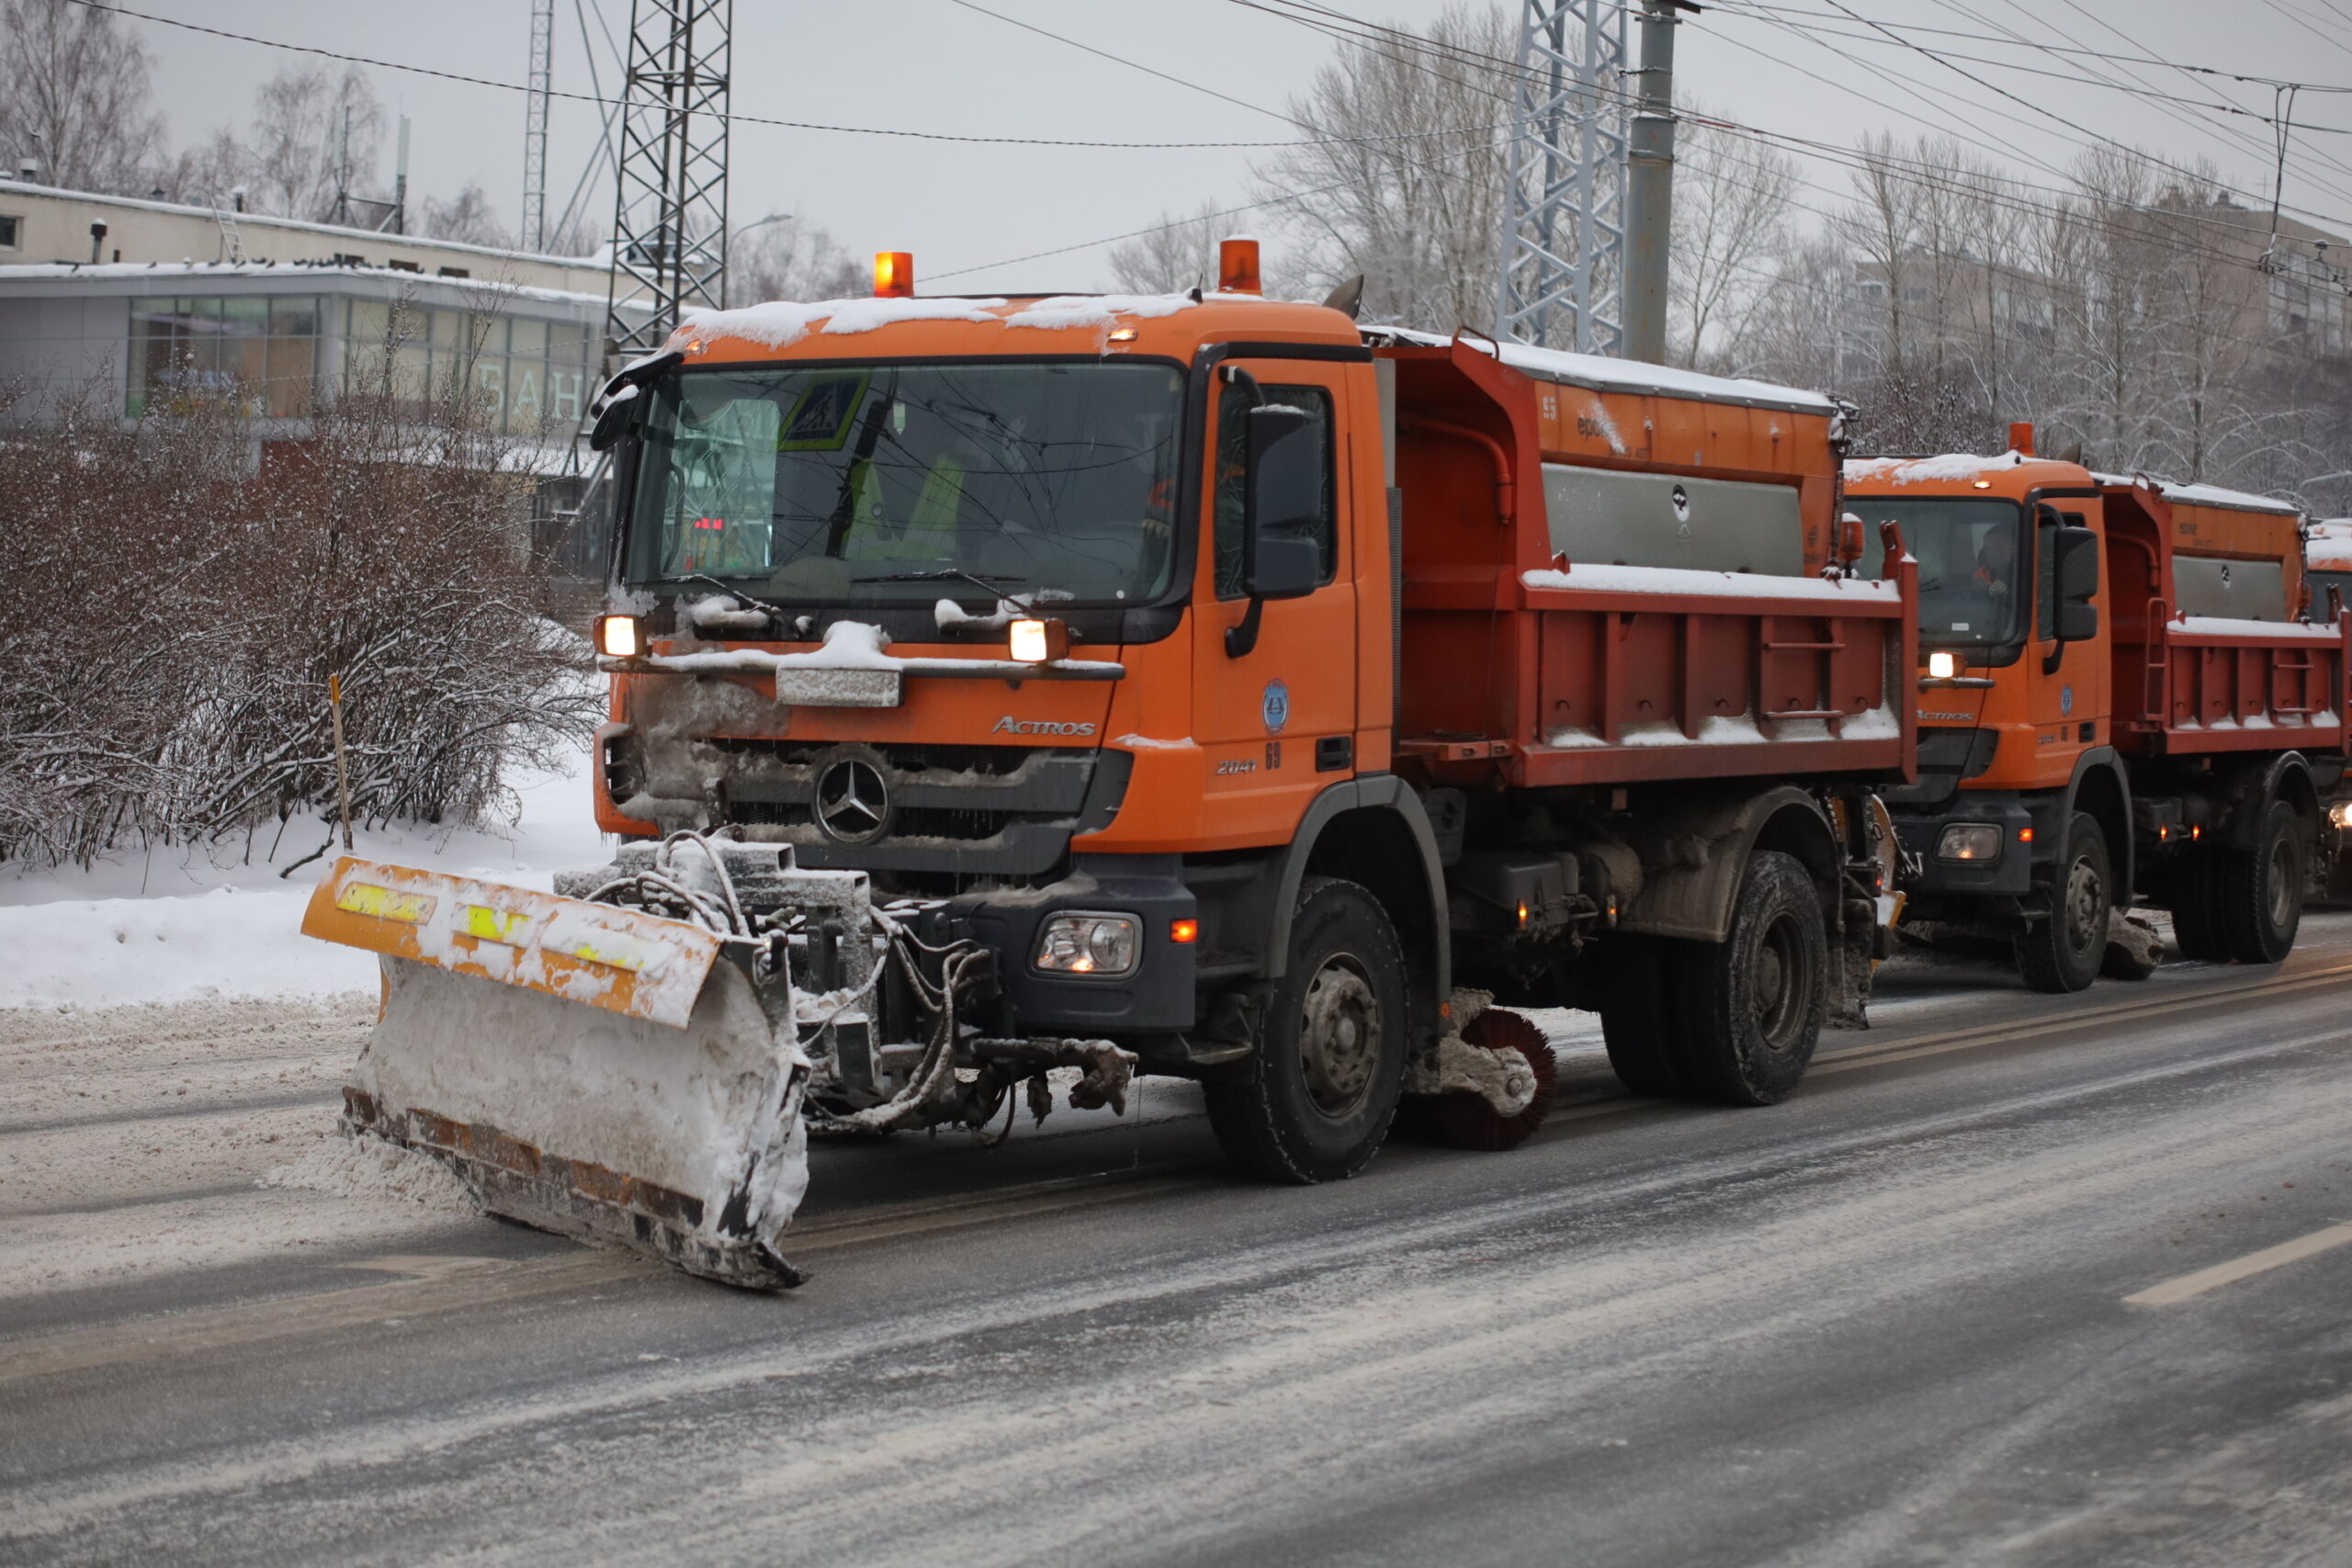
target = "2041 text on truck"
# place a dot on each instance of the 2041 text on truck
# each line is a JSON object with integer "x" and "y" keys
{"x": 1196, "y": 685}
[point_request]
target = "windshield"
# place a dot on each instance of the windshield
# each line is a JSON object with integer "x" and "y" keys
{"x": 1972, "y": 577}
{"x": 903, "y": 483}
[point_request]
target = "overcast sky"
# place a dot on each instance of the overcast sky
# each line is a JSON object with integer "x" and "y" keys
{"x": 937, "y": 66}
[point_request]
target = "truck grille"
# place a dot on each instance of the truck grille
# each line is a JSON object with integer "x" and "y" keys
{"x": 970, "y": 810}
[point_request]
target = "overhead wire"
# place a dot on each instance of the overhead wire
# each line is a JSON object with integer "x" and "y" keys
{"x": 732, "y": 117}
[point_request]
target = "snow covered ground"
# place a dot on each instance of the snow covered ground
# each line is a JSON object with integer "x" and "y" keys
{"x": 179, "y": 924}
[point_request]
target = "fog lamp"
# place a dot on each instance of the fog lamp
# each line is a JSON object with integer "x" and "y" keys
{"x": 1969, "y": 840}
{"x": 1942, "y": 666}
{"x": 1039, "y": 642}
{"x": 1079, "y": 942}
{"x": 2340, "y": 814}
{"x": 619, "y": 637}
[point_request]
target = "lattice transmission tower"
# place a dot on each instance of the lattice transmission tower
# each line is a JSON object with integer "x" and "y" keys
{"x": 1562, "y": 283}
{"x": 535, "y": 125}
{"x": 670, "y": 215}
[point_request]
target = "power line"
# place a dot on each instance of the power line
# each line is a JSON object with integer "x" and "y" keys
{"x": 747, "y": 118}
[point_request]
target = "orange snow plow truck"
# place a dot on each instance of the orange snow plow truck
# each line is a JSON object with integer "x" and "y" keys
{"x": 2128, "y": 689}
{"x": 1014, "y": 695}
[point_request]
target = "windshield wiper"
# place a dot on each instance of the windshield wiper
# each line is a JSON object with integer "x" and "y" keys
{"x": 951, "y": 574}
{"x": 731, "y": 591}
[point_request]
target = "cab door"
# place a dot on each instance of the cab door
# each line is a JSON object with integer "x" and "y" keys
{"x": 2069, "y": 680}
{"x": 1277, "y": 722}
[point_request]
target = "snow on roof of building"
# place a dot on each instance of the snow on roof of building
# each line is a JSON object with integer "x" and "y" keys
{"x": 118, "y": 271}
{"x": 1603, "y": 375}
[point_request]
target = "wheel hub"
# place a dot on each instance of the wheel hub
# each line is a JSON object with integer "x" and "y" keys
{"x": 1339, "y": 1041}
{"x": 2086, "y": 907}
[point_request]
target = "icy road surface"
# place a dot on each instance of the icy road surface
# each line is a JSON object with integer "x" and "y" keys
{"x": 2012, "y": 1280}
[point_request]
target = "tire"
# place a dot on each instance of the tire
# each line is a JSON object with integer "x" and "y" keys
{"x": 1467, "y": 1122}
{"x": 1637, "y": 976}
{"x": 2261, "y": 903}
{"x": 2195, "y": 900}
{"x": 1318, "y": 1095}
{"x": 2064, "y": 952}
{"x": 1749, "y": 1008}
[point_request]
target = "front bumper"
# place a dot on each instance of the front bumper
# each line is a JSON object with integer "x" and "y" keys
{"x": 2007, "y": 874}
{"x": 1156, "y": 997}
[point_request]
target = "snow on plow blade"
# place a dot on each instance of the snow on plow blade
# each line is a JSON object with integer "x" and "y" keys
{"x": 586, "y": 1068}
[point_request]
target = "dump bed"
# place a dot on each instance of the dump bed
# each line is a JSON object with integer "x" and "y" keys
{"x": 2212, "y": 653}
{"x": 1614, "y": 573}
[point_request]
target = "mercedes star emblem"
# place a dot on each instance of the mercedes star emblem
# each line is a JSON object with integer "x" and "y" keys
{"x": 853, "y": 802}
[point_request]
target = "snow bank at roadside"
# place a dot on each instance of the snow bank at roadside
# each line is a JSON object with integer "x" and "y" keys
{"x": 179, "y": 924}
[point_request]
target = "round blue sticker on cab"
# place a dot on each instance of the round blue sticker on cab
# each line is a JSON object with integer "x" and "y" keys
{"x": 1277, "y": 707}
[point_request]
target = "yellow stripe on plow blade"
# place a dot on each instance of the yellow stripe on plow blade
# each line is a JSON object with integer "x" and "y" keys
{"x": 599, "y": 955}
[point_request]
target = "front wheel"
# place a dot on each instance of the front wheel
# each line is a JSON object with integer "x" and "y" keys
{"x": 2063, "y": 950}
{"x": 1315, "y": 1100}
{"x": 1750, "y": 1007}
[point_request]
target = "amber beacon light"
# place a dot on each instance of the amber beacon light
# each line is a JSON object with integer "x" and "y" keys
{"x": 1236, "y": 266}
{"x": 893, "y": 275}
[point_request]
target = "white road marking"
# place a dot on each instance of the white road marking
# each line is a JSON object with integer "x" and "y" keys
{"x": 2236, "y": 1269}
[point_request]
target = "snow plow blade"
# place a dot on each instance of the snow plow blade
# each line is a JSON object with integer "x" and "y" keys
{"x": 584, "y": 1067}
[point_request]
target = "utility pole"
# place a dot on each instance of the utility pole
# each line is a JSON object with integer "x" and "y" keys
{"x": 1649, "y": 185}
{"x": 669, "y": 214}
{"x": 1563, "y": 234}
{"x": 538, "y": 87}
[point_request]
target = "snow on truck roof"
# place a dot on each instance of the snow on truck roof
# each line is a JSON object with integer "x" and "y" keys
{"x": 2210, "y": 495}
{"x": 780, "y": 323}
{"x": 1959, "y": 466}
{"x": 1949, "y": 468}
{"x": 1602, "y": 375}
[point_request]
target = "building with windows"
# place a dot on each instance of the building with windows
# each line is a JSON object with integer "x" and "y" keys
{"x": 275, "y": 340}
{"x": 170, "y": 306}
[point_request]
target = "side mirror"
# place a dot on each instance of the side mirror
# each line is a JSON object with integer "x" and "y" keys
{"x": 616, "y": 406}
{"x": 1282, "y": 502}
{"x": 614, "y": 419}
{"x": 2078, "y": 583}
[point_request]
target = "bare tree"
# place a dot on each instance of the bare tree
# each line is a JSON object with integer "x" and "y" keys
{"x": 75, "y": 98}
{"x": 466, "y": 218}
{"x": 1404, "y": 183}
{"x": 1732, "y": 202}
{"x": 310, "y": 128}
{"x": 791, "y": 259}
{"x": 1177, "y": 255}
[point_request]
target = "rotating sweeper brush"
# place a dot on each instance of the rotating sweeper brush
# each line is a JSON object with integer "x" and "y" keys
{"x": 641, "y": 1056}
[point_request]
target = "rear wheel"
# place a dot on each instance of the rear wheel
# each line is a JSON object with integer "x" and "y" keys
{"x": 1317, "y": 1098}
{"x": 2194, "y": 897}
{"x": 1636, "y": 1022}
{"x": 2062, "y": 952}
{"x": 2261, "y": 889}
{"x": 1750, "y": 1007}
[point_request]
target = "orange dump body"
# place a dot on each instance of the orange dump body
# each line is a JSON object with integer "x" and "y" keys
{"x": 2189, "y": 683}
{"x": 1532, "y": 662}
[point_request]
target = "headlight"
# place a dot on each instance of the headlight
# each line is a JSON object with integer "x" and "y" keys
{"x": 619, "y": 637}
{"x": 1969, "y": 840}
{"x": 1942, "y": 666}
{"x": 1039, "y": 642}
{"x": 2340, "y": 814}
{"x": 1076, "y": 943}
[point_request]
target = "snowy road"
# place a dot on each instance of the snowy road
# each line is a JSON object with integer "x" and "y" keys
{"x": 1885, "y": 1323}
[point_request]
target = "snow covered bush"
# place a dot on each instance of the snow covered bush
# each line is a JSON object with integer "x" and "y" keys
{"x": 174, "y": 598}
